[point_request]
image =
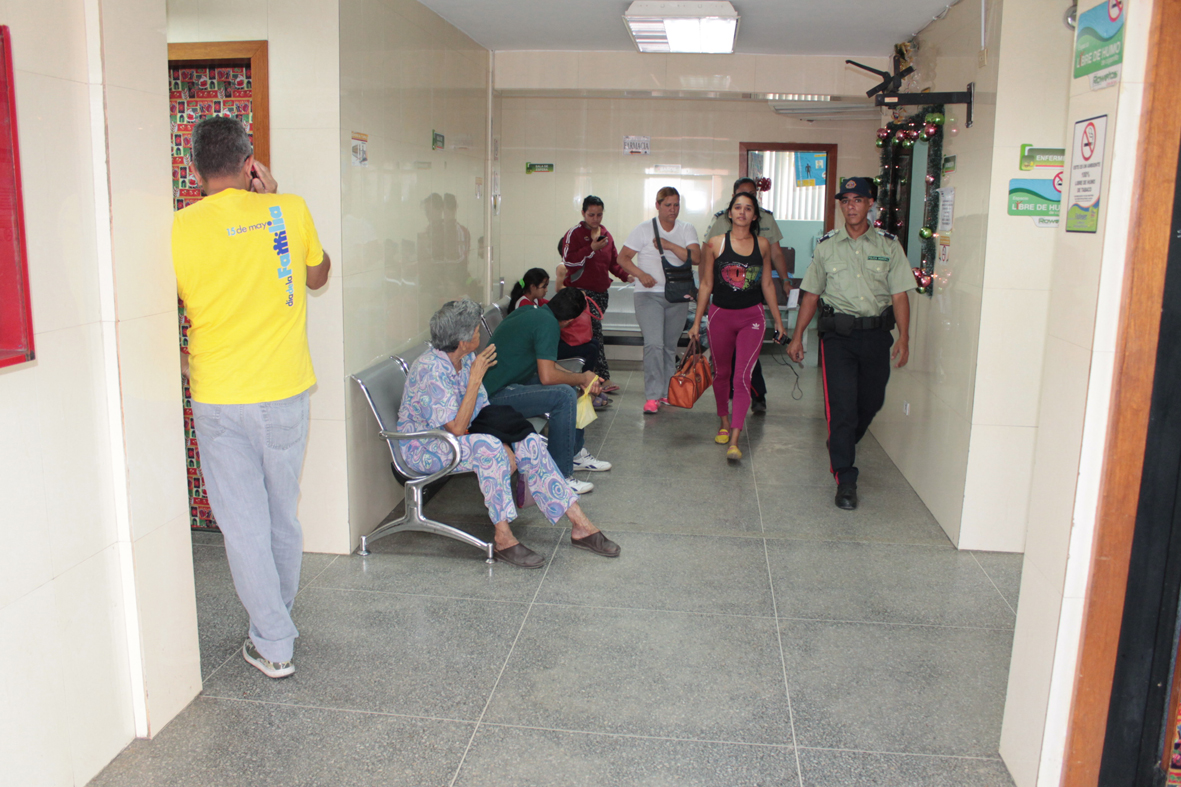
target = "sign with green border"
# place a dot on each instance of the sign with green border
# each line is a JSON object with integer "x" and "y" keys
{"x": 1042, "y": 157}
{"x": 437, "y": 141}
{"x": 1035, "y": 196}
{"x": 530, "y": 168}
{"x": 948, "y": 165}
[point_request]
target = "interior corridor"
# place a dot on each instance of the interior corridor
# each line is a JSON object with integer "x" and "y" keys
{"x": 750, "y": 634}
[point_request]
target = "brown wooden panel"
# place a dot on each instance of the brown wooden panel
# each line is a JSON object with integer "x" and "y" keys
{"x": 251, "y": 53}
{"x": 1136, "y": 346}
{"x": 830, "y": 207}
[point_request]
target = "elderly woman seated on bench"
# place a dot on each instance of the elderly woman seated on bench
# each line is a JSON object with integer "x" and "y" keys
{"x": 445, "y": 391}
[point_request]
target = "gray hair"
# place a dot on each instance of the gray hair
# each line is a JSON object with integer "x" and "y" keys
{"x": 454, "y": 323}
{"x": 220, "y": 146}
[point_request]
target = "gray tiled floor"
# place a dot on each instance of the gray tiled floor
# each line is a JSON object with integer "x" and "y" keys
{"x": 750, "y": 634}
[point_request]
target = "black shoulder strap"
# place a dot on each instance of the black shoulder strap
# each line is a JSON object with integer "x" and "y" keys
{"x": 656, "y": 231}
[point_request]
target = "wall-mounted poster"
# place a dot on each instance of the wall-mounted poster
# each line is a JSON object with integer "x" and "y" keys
{"x": 810, "y": 169}
{"x": 16, "y": 313}
{"x": 1039, "y": 198}
{"x": 1086, "y": 175}
{"x": 948, "y": 165}
{"x": 438, "y": 141}
{"x": 1099, "y": 44}
{"x": 530, "y": 167}
{"x": 946, "y": 208}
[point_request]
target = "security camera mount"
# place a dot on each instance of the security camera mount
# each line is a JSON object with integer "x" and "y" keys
{"x": 886, "y": 94}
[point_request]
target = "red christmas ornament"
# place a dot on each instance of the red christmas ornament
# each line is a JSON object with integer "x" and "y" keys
{"x": 930, "y": 179}
{"x": 877, "y": 222}
{"x": 912, "y": 133}
{"x": 931, "y": 129}
{"x": 883, "y": 133}
{"x": 764, "y": 184}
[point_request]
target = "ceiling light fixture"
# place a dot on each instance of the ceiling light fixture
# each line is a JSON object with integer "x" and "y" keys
{"x": 687, "y": 26}
{"x": 799, "y": 97}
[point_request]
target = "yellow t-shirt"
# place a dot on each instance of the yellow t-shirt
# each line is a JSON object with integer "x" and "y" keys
{"x": 241, "y": 264}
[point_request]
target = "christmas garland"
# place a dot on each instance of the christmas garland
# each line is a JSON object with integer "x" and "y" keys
{"x": 893, "y": 139}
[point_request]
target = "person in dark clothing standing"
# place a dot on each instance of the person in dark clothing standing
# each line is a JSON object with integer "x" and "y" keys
{"x": 858, "y": 281}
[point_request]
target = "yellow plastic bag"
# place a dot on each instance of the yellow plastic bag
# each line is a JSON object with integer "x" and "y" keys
{"x": 586, "y": 409}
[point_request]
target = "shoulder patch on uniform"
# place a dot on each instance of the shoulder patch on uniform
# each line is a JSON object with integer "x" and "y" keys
{"x": 826, "y": 236}
{"x": 768, "y": 211}
{"x": 886, "y": 235}
{"x": 720, "y": 213}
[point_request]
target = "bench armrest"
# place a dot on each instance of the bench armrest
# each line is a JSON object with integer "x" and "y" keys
{"x": 572, "y": 365}
{"x": 436, "y": 434}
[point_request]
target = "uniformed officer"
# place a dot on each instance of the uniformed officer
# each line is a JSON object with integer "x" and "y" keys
{"x": 769, "y": 229}
{"x": 858, "y": 281}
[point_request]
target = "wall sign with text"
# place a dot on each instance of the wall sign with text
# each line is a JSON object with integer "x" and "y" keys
{"x": 1086, "y": 175}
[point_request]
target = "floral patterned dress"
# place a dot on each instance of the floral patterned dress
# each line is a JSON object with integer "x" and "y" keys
{"x": 434, "y": 391}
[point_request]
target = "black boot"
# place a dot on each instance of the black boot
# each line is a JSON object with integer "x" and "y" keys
{"x": 846, "y": 496}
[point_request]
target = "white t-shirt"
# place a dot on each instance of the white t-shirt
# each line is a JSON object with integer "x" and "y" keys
{"x": 647, "y": 257}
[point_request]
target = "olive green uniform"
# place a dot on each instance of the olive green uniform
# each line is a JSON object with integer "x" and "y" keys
{"x": 858, "y": 277}
{"x": 768, "y": 227}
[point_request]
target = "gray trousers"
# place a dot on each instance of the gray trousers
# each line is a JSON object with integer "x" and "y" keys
{"x": 251, "y": 456}
{"x": 662, "y": 324}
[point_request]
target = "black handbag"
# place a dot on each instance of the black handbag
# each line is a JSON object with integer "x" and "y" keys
{"x": 502, "y": 422}
{"x": 679, "y": 286}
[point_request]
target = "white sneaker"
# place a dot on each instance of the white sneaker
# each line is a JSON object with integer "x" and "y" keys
{"x": 271, "y": 669}
{"x": 584, "y": 461}
{"x": 580, "y": 487}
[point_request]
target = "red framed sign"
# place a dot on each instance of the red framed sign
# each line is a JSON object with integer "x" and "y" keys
{"x": 16, "y": 313}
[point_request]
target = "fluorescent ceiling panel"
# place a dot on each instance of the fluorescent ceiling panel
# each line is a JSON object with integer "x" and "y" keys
{"x": 705, "y": 27}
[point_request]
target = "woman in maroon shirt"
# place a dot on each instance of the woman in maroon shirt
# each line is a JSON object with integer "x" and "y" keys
{"x": 589, "y": 254}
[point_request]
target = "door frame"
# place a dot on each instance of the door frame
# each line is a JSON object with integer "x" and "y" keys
{"x": 830, "y": 205}
{"x": 1135, "y": 368}
{"x": 236, "y": 53}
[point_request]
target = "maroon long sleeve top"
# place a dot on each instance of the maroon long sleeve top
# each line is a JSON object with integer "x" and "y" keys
{"x": 586, "y": 269}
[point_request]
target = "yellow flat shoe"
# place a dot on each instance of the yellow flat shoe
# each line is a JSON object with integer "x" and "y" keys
{"x": 734, "y": 453}
{"x": 722, "y": 437}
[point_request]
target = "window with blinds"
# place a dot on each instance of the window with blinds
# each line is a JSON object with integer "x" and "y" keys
{"x": 798, "y": 181}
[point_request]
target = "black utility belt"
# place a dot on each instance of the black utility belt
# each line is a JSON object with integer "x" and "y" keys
{"x": 832, "y": 321}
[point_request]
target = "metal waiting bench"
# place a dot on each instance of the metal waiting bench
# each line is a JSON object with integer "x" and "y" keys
{"x": 383, "y": 384}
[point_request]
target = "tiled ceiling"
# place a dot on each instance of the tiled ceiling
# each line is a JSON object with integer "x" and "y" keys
{"x": 768, "y": 27}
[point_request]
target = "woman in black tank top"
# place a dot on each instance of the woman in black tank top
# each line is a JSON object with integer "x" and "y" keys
{"x": 734, "y": 274}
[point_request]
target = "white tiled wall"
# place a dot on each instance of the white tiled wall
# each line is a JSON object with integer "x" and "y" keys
{"x": 583, "y": 139}
{"x": 931, "y": 444}
{"x": 91, "y": 464}
{"x": 404, "y": 73}
{"x": 304, "y": 68}
{"x": 549, "y": 71}
{"x": 977, "y": 345}
{"x": 1083, "y": 313}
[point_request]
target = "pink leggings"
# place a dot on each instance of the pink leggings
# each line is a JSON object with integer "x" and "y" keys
{"x": 735, "y": 338}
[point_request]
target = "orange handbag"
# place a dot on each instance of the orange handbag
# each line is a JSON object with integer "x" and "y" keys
{"x": 691, "y": 380}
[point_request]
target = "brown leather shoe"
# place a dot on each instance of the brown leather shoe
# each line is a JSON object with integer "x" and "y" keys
{"x": 520, "y": 556}
{"x": 597, "y": 543}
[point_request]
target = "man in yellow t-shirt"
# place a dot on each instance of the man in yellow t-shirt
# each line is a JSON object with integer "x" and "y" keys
{"x": 243, "y": 257}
